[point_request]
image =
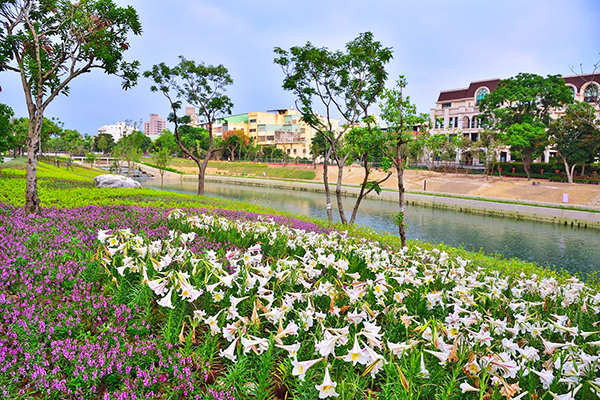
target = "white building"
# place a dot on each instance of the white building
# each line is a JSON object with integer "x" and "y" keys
{"x": 117, "y": 131}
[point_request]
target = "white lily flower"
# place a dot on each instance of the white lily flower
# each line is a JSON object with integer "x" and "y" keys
{"x": 230, "y": 351}
{"x": 166, "y": 301}
{"x": 465, "y": 387}
{"x": 327, "y": 388}
{"x": 292, "y": 349}
{"x": 356, "y": 354}
{"x": 300, "y": 367}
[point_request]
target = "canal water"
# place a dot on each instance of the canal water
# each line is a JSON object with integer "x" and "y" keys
{"x": 572, "y": 249}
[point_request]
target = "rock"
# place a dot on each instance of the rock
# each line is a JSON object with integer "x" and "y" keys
{"x": 115, "y": 181}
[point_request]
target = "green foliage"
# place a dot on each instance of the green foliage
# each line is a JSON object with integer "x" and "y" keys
{"x": 104, "y": 142}
{"x": 197, "y": 140}
{"x": 6, "y": 139}
{"x": 520, "y": 107}
{"x": 576, "y": 136}
{"x": 165, "y": 141}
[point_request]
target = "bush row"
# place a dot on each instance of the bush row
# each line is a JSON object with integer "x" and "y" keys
{"x": 548, "y": 168}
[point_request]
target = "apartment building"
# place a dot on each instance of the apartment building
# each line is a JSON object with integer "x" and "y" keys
{"x": 117, "y": 131}
{"x": 155, "y": 126}
{"x": 457, "y": 110}
{"x": 281, "y": 128}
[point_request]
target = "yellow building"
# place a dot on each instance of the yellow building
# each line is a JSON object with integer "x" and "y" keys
{"x": 280, "y": 128}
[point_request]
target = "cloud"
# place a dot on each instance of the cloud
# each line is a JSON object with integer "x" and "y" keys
{"x": 211, "y": 14}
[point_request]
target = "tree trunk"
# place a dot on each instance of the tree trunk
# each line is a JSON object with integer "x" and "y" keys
{"x": 326, "y": 182}
{"x": 569, "y": 171}
{"x": 361, "y": 194}
{"x": 338, "y": 188}
{"x": 162, "y": 175}
{"x": 32, "y": 201}
{"x": 401, "y": 190}
{"x": 527, "y": 164}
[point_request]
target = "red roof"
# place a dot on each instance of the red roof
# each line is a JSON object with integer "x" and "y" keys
{"x": 446, "y": 96}
{"x": 579, "y": 80}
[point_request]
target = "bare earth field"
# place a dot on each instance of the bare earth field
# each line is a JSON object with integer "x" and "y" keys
{"x": 457, "y": 184}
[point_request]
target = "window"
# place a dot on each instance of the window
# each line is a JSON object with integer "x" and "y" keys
{"x": 591, "y": 93}
{"x": 295, "y": 151}
{"x": 271, "y": 138}
{"x": 451, "y": 125}
{"x": 481, "y": 93}
{"x": 446, "y": 105}
{"x": 253, "y": 121}
{"x": 252, "y": 129}
{"x": 572, "y": 91}
{"x": 473, "y": 122}
{"x": 456, "y": 122}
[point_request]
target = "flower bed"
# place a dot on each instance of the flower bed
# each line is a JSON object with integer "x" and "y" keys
{"x": 329, "y": 315}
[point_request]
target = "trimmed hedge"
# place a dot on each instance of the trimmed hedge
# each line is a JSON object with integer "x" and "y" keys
{"x": 549, "y": 168}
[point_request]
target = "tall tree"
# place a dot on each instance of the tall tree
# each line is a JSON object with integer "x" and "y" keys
{"x": 202, "y": 86}
{"x": 576, "y": 136}
{"x": 346, "y": 83}
{"x": 49, "y": 43}
{"x": 521, "y": 107}
{"x": 401, "y": 116}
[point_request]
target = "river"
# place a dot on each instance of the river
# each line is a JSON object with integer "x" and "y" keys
{"x": 576, "y": 250}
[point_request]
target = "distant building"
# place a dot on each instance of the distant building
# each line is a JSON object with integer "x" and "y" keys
{"x": 117, "y": 131}
{"x": 191, "y": 112}
{"x": 457, "y": 111}
{"x": 281, "y": 128}
{"x": 155, "y": 126}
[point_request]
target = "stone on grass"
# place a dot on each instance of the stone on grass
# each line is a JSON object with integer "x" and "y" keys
{"x": 115, "y": 181}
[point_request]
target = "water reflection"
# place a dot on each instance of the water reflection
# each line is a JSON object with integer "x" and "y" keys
{"x": 575, "y": 250}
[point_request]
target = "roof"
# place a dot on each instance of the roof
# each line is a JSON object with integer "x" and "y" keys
{"x": 458, "y": 94}
{"x": 579, "y": 80}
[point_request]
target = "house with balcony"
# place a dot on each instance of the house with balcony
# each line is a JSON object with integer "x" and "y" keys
{"x": 457, "y": 111}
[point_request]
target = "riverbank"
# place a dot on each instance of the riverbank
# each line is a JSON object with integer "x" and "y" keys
{"x": 580, "y": 216}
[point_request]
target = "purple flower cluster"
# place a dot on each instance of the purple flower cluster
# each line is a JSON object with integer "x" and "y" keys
{"x": 61, "y": 335}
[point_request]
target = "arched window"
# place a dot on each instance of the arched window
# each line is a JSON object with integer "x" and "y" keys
{"x": 591, "y": 93}
{"x": 481, "y": 93}
{"x": 572, "y": 91}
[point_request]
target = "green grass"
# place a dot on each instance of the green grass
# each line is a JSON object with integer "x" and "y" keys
{"x": 62, "y": 189}
{"x": 251, "y": 168}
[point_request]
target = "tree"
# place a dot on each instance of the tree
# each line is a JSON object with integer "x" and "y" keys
{"x": 346, "y": 82}
{"x": 162, "y": 160}
{"x": 106, "y": 140}
{"x": 165, "y": 141}
{"x": 202, "y": 86}
{"x": 489, "y": 143}
{"x": 6, "y": 139}
{"x": 576, "y": 136}
{"x": 366, "y": 142}
{"x": 520, "y": 107}
{"x": 103, "y": 145}
{"x": 128, "y": 149}
{"x": 401, "y": 116}
{"x": 234, "y": 139}
{"x": 49, "y": 43}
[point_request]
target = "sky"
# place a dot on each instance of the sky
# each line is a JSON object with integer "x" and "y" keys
{"x": 438, "y": 45}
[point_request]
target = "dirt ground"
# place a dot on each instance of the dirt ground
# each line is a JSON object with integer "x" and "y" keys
{"x": 461, "y": 184}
